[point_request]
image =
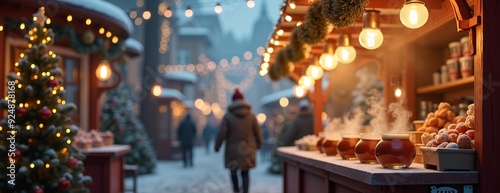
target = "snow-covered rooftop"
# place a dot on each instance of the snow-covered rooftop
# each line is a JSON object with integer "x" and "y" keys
{"x": 105, "y": 8}
{"x": 181, "y": 76}
{"x": 168, "y": 93}
{"x": 134, "y": 44}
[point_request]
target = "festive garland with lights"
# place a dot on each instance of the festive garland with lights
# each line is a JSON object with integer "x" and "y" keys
{"x": 274, "y": 72}
{"x": 343, "y": 13}
{"x": 315, "y": 26}
{"x": 104, "y": 47}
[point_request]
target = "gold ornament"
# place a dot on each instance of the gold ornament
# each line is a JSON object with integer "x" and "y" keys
{"x": 88, "y": 37}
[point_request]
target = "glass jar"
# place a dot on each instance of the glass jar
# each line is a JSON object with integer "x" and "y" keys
{"x": 330, "y": 146}
{"x": 395, "y": 151}
{"x": 365, "y": 148}
{"x": 346, "y": 145}
{"x": 321, "y": 140}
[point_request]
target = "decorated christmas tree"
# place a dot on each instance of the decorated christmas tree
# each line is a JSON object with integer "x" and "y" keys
{"x": 36, "y": 133}
{"x": 119, "y": 117}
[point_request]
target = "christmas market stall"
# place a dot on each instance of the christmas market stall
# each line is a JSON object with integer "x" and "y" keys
{"x": 409, "y": 95}
{"x": 54, "y": 62}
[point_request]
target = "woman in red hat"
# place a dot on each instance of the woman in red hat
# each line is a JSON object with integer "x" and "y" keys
{"x": 243, "y": 136}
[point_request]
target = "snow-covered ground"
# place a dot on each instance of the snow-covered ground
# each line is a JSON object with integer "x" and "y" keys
{"x": 207, "y": 176}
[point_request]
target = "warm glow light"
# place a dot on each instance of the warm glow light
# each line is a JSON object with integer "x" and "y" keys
{"x": 314, "y": 71}
{"x": 345, "y": 54}
{"x": 276, "y": 43}
{"x": 397, "y": 93}
{"x": 188, "y": 12}
{"x": 156, "y": 90}
{"x": 306, "y": 81}
{"x": 280, "y": 32}
{"x": 101, "y": 30}
{"x": 371, "y": 38}
{"x": 146, "y": 15}
{"x": 250, "y": 3}
{"x": 299, "y": 91}
{"x": 168, "y": 13}
{"x": 114, "y": 40}
{"x": 414, "y": 14}
{"x": 88, "y": 21}
{"x": 328, "y": 61}
{"x": 261, "y": 118}
{"x": 68, "y": 141}
{"x": 103, "y": 71}
{"x": 218, "y": 8}
{"x": 109, "y": 34}
{"x": 292, "y": 5}
{"x": 284, "y": 102}
{"x": 69, "y": 18}
{"x": 288, "y": 18}
{"x": 270, "y": 50}
{"x": 263, "y": 72}
{"x": 133, "y": 14}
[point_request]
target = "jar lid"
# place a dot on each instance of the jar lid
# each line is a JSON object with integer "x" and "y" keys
{"x": 465, "y": 58}
{"x": 453, "y": 44}
{"x": 371, "y": 136}
{"x": 451, "y": 61}
{"x": 395, "y": 136}
{"x": 464, "y": 39}
{"x": 350, "y": 135}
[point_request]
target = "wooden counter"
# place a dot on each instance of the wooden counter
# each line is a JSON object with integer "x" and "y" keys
{"x": 105, "y": 166}
{"x": 312, "y": 172}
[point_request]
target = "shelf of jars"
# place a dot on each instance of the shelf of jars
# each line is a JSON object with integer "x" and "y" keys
{"x": 467, "y": 82}
{"x": 335, "y": 174}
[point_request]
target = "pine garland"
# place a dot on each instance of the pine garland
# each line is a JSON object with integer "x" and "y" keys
{"x": 283, "y": 63}
{"x": 294, "y": 51}
{"x": 274, "y": 72}
{"x": 342, "y": 13}
{"x": 315, "y": 26}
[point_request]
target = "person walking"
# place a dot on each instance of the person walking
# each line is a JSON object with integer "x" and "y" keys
{"x": 302, "y": 125}
{"x": 186, "y": 133}
{"x": 208, "y": 134}
{"x": 242, "y": 135}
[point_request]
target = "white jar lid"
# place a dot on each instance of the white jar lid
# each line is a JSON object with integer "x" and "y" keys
{"x": 454, "y": 44}
{"x": 451, "y": 61}
{"x": 465, "y": 58}
{"x": 464, "y": 39}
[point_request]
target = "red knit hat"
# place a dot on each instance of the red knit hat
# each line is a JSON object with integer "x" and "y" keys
{"x": 237, "y": 95}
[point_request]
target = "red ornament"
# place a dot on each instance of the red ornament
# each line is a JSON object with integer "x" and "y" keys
{"x": 37, "y": 190}
{"x": 45, "y": 113}
{"x": 21, "y": 112}
{"x": 64, "y": 184}
{"x": 52, "y": 83}
{"x": 72, "y": 162}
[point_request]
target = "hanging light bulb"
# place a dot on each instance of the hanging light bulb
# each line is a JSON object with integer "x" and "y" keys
{"x": 414, "y": 14}
{"x": 314, "y": 70}
{"x": 103, "y": 71}
{"x": 292, "y": 4}
{"x": 398, "y": 93}
{"x": 156, "y": 90}
{"x": 299, "y": 91}
{"x": 218, "y": 8}
{"x": 306, "y": 81}
{"x": 288, "y": 18}
{"x": 328, "y": 60}
{"x": 250, "y": 3}
{"x": 188, "y": 12}
{"x": 371, "y": 37}
{"x": 168, "y": 12}
{"x": 345, "y": 52}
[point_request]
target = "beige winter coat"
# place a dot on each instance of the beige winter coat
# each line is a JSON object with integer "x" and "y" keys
{"x": 242, "y": 134}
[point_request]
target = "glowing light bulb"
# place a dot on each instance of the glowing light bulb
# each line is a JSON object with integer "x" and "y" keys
{"x": 157, "y": 90}
{"x": 250, "y": 3}
{"x": 414, "y": 14}
{"x": 299, "y": 91}
{"x": 306, "y": 81}
{"x": 345, "y": 54}
{"x": 284, "y": 102}
{"x": 314, "y": 71}
{"x": 218, "y": 8}
{"x": 371, "y": 37}
{"x": 398, "y": 93}
{"x": 188, "y": 12}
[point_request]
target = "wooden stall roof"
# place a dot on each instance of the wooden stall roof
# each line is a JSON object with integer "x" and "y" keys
{"x": 395, "y": 33}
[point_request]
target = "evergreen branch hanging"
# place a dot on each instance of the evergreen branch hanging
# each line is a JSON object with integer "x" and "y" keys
{"x": 315, "y": 26}
{"x": 274, "y": 72}
{"x": 294, "y": 51}
{"x": 283, "y": 63}
{"x": 342, "y": 13}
